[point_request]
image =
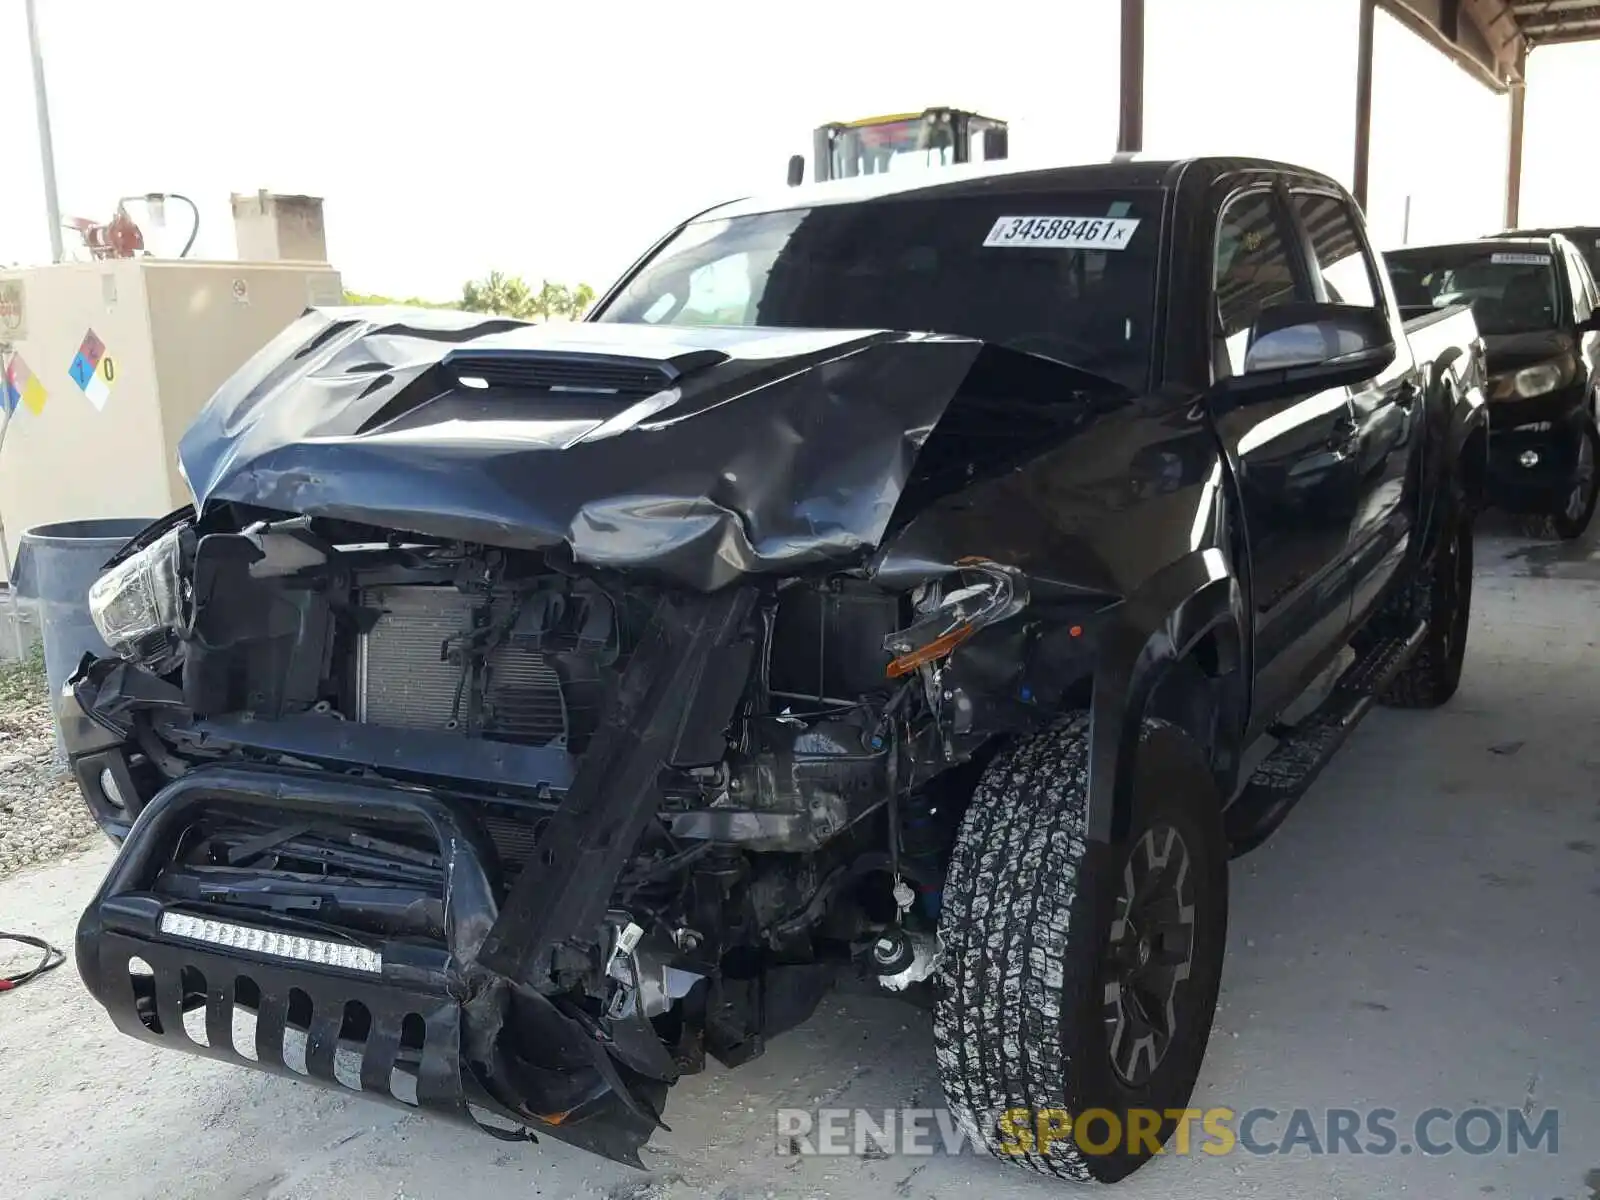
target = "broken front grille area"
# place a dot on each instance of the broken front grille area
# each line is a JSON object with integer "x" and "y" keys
{"x": 416, "y": 668}
{"x": 390, "y": 1016}
{"x": 309, "y": 924}
{"x": 239, "y": 862}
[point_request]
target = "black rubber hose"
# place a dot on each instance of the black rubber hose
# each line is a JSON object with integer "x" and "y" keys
{"x": 194, "y": 229}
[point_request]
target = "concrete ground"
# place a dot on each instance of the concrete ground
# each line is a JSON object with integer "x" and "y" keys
{"x": 1420, "y": 934}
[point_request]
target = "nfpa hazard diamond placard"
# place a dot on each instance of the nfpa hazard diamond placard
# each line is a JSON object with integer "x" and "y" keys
{"x": 94, "y": 370}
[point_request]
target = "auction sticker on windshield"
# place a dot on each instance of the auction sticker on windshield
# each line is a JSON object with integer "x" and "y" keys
{"x": 1063, "y": 233}
{"x": 1521, "y": 260}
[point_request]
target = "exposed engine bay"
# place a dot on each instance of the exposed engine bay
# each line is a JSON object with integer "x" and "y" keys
{"x": 691, "y": 813}
{"x": 524, "y": 713}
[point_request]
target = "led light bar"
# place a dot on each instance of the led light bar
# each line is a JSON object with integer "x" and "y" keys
{"x": 267, "y": 941}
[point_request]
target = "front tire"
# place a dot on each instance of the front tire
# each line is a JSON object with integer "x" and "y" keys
{"x": 1079, "y": 976}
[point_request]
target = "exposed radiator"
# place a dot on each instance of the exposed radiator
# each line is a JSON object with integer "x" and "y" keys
{"x": 404, "y": 682}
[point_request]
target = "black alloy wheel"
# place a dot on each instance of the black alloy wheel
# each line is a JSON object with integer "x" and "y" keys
{"x": 1148, "y": 954}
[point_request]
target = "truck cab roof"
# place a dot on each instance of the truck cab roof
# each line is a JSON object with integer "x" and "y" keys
{"x": 992, "y": 178}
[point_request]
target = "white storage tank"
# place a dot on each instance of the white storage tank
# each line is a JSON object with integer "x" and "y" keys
{"x": 111, "y": 360}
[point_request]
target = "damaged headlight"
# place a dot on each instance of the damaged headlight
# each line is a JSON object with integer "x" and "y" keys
{"x": 950, "y": 611}
{"x": 140, "y": 606}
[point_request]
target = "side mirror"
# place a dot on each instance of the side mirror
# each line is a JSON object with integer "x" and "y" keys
{"x": 1305, "y": 347}
{"x": 1592, "y": 325}
{"x": 797, "y": 169}
{"x": 996, "y": 144}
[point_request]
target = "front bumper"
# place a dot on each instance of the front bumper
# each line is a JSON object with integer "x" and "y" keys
{"x": 1551, "y": 428}
{"x": 430, "y": 1028}
{"x": 98, "y": 756}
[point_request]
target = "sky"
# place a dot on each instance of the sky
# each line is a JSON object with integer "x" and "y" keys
{"x": 560, "y": 140}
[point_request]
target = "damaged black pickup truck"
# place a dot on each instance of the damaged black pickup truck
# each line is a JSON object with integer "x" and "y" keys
{"x": 899, "y": 580}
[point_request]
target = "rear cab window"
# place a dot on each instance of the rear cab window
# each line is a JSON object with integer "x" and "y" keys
{"x": 1066, "y": 275}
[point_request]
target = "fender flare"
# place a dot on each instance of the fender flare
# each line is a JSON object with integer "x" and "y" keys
{"x": 1454, "y": 407}
{"x": 1468, "y": 406}
{"x": 1467, "y": 440}
{"x": 1158, "y": 627}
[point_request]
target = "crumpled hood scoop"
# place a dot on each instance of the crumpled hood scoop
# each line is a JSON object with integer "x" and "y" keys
{"x": 700, "y": 454}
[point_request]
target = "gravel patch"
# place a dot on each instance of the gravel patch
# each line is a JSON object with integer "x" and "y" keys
{"x": 42, "y": 816}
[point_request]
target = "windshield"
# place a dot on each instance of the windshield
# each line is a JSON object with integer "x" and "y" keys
{"x": 884, "y": 146}
{"x": 1066, "y": 275}
{"x": 1511, "y": 291}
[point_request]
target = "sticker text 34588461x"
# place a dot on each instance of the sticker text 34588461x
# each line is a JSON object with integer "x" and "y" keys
{"x": 1064, "y": 233}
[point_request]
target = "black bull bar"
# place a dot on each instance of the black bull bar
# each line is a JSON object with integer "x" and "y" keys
{"x": 477, "y": 1044}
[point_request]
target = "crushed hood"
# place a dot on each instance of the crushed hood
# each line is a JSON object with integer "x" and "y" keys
{"x": 700, "y": 454}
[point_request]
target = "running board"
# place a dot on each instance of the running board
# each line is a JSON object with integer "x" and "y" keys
{"x": 1286, "y": 773}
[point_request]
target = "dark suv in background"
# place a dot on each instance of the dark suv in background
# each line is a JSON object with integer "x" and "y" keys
{"x": 1538, "y": 309}
{"x": 1585, "y": 237}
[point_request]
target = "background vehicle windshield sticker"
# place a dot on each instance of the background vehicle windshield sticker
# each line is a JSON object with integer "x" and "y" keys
{"x": 1063, "y": 233}
{"x": 1521, "y": 260}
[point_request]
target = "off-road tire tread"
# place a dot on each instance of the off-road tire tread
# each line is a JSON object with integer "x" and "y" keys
{"x": 1010, "y": 958}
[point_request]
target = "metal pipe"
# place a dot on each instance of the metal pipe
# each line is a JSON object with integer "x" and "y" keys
{"x": 47, "y": 153}
{"x": 1130, "y": 123}
{"x": 1358, "y": 188}
{"x": 1519, "y": 94}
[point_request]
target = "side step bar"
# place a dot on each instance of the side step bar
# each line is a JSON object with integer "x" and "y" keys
{"x": 1286, "y": 773}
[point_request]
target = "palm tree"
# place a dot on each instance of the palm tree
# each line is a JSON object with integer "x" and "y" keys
{"x": 550, "y": 300}
{"x": 506, "y": 295}
{"x": 578, "y": 301}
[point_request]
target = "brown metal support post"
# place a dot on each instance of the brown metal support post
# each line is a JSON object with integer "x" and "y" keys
{"x": 1358, "y": 187}
{"x": 1514, "y": 157}
{"x": 1130, "y": 124}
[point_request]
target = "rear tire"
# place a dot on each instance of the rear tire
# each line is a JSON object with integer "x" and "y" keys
{"x": 1573, "y": 521}
{"x": 1441, "y": 595}
{"x": 1077, "y": 975}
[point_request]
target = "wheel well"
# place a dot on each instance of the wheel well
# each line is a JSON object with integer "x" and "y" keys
{"x": 1198, "y": 693}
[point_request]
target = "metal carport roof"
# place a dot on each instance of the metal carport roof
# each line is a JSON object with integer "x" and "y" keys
{"x": 1550, "y": 22}
{"x": 1489, "y": 39}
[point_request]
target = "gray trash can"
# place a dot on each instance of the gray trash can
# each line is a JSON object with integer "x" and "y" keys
{"x": 55, "y": 566}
